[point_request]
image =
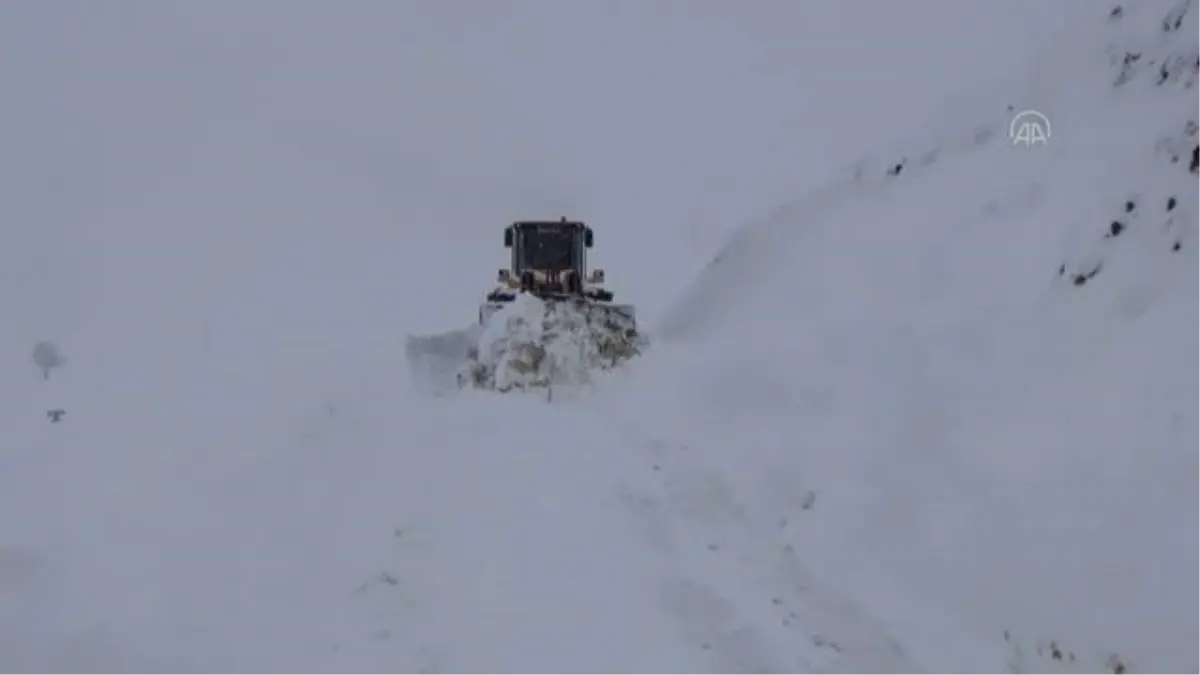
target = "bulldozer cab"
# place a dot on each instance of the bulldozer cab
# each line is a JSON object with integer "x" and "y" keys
{"x": 549, "y": 261}
{"x": 548, "y": 246}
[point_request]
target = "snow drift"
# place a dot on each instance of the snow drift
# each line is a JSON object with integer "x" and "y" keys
{"x": 534, "y": 343}
{"x": 528, "y": 343}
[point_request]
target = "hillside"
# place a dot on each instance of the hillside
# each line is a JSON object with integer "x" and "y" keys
{"x": 982, "y": 364}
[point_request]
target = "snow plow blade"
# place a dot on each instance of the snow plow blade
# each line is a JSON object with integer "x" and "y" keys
{"x": 612, "y": 315}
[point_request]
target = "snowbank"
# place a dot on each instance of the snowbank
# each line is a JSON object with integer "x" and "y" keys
{"x": 532, "y": 343}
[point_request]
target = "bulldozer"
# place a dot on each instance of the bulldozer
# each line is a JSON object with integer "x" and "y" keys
{"x": 549, "y": 261}
{"x": 549, "y": 264}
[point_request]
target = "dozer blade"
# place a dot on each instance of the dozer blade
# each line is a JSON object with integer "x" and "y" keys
{"x": 623, "y": 316}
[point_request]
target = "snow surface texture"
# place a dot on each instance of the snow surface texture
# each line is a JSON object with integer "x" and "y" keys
{"x": 997, "y": 406}
{"x": 533, "y": 343}
{"x": 937, "y": 414}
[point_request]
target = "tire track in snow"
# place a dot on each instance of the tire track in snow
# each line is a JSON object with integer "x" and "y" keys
{"x": 749, "y": 597}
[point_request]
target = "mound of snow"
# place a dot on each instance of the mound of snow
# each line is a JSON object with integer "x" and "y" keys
{"x": 435, "y": 360}
{"x": 532, "y": 343}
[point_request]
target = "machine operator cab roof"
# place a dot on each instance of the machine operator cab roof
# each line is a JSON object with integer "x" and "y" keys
{"x": 549, "y": 245}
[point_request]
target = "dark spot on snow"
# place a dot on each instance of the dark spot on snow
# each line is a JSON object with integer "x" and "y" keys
{"x": 1056, "y": 652}
{"x": 1129, "y": 206}
{"x": 1127, "y": 70}
{"x": 1174, "y": 19}
{"x": 55, "y": 415}
{"x": 1116, "y": 665}
{"x": 820, "y": 641}
{"x": 1116, "y": 12}
{"x": 895, "y": 170}
{"x": 1061, "y": 269}
{"x": 713, "y": 547}
{"x": 1115, "y": 228}
{"x": 1170, "y": 203}
{"x": 1081, "y": 279}
{"x": 1195, "y": 159}
{"x": 1176, "y": 246}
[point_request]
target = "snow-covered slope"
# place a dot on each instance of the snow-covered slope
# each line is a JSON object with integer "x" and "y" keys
{"x": 983, "y": 365}
{"x": 885, "y": 430}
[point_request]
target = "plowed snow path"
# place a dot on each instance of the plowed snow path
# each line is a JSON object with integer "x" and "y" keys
{"x": 469, "y": 535}
{"x": 550, "y": 537}
{"x": 522, "y": 536}
{"x": 512, "y": 550}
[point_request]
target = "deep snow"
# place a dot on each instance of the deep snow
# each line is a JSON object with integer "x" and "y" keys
{"x": 883, "y": 430}
{"x": 529, "y": 343}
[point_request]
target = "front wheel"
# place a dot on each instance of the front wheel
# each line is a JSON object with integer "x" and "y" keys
{"x": 574, "y": 286}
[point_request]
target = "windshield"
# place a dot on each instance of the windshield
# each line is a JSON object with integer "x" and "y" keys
{"x": 548, "y": 250}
